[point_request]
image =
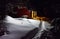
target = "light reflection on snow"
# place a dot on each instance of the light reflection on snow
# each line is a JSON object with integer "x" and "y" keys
{"x": 21, "y": 26}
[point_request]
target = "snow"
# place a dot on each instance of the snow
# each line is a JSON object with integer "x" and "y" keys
{"x": 19, "y": 27}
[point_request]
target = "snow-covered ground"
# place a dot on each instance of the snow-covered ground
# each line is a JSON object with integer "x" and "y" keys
{"x": 19, "y": 27}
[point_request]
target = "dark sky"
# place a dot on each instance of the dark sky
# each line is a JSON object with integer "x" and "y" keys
{"x": 50, "y": 6}
{"x": 39, "y": 5}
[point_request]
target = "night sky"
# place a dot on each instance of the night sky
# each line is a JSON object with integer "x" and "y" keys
{"x": 50, "y": 7}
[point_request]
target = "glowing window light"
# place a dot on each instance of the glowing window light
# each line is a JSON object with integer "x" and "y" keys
{"x": 34, "y": 16}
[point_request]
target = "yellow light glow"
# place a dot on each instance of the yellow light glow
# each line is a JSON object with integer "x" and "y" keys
{"x": 34, "y": 16}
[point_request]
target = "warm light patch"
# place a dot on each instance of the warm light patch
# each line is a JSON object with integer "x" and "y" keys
{"x": 34, "y": 16}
